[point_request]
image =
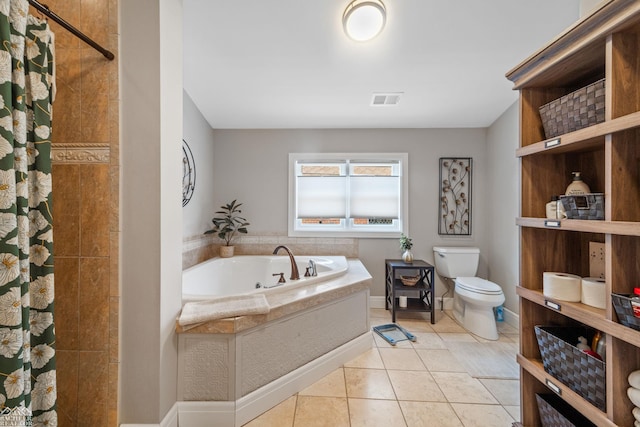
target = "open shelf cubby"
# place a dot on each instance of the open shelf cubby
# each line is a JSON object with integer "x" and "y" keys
{"x": 604, "y": 44}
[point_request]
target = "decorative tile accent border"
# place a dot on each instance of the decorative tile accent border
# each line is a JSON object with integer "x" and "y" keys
{"x": 199, "y": 248}
{"x": 80, "y": 153}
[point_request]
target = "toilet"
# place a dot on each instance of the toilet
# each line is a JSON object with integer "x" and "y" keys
{"x": 473, "y": 298}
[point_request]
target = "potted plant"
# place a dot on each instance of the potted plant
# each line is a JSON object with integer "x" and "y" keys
{"x": 227, "y": 224}
{"x": 406, "y": 244}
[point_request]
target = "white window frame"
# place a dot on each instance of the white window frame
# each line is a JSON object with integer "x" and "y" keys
{"x": 346, "y": 229}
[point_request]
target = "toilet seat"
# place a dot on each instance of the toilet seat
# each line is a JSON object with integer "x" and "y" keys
{"x": 478, "y": 285}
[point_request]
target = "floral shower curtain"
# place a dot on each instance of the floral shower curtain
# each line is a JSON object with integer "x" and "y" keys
{"x": 27, "y": 340}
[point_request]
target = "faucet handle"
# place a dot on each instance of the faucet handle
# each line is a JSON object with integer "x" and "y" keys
{"x": 281, "y": 278}
{"x": 306, "y": 273}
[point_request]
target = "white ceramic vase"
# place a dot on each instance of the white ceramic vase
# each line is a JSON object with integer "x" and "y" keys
{"x": 407, "y": 256}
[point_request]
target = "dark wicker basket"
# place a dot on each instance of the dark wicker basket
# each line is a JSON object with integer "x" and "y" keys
{"x": 586, "y": 206}
{"x": 622, "y": 305}
{"x": 576, "y": 110}
{"x": 579, "y": 371}
{"x": 555, "y": 412}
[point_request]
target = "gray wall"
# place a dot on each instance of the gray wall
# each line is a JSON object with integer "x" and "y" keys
{"x": 199, "y": 135}
{"x": 503, "y": 196}
{"x": 252, "y": 166}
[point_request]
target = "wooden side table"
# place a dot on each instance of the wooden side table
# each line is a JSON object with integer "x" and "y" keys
{"x": 420, "y": 297}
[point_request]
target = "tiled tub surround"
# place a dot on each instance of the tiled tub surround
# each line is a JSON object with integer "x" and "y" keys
{"x": 199, "y": 248}
{"x": 232, "y": 370}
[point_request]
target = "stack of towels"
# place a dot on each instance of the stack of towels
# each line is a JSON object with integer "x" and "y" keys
{"x": 634, "y": 395}
{"x": 194, "y": 313}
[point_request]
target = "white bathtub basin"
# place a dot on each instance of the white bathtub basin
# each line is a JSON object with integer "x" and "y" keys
{"x": 242, "y": 274}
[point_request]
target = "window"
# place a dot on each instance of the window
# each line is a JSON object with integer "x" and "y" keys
{"x": 354, "y": 195}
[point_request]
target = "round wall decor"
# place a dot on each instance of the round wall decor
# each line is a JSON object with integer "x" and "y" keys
{"x": 188, "y": 173}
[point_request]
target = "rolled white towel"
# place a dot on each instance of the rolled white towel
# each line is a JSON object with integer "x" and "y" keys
{"x": 636, "y": 423}
{"x": 634, "y": 379}
{"x": 223, "y": 307}
{"x": 636, "y": 413}
{"x": 634, "y": 395}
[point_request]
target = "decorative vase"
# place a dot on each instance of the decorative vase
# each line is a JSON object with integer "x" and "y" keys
{"x": 226, "y": 251}
{"x": 407, "y": 257}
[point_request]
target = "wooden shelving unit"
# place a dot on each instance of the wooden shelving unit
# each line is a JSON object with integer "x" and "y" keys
{"x": 605, "y": 44}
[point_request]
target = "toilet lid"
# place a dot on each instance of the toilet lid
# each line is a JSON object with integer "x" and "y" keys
{"x": 476, "y": 284}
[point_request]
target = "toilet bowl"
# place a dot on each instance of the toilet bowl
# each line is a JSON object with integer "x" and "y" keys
{"x": 473, "y": 302}
{"x": 473, "y": 298}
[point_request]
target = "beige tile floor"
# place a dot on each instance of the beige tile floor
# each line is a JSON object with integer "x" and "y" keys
{"x": 424, "y": 383}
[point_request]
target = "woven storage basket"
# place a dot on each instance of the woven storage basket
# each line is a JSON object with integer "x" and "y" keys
{"x": 622, "y": 305}
{"x": 579, "y": 371}
{"x": 576, "y": 110}
{"x": 555, "y": 412}
{"x": 409, "y": 280}
{"x": 586, "y": 206}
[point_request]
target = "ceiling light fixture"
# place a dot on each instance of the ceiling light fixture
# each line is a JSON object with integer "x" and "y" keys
{"x": 364, "y": 19}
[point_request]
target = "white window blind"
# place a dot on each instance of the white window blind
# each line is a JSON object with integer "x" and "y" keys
{"x": 347, "y": 194}
{"x": 322, "y": 197}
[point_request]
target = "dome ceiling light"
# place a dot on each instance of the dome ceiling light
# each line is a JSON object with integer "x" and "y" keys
{"x": 364, "y": 19}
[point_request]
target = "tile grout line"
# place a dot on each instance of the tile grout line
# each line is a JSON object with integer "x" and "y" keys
{"x": 346, "y": 393}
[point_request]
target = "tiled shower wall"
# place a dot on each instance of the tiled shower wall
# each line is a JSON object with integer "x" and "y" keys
{"x": 85, "y": 210}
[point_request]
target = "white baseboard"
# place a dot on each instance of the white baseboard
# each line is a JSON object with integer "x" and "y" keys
{"x": 376, "y": 302}
{"x": 238, "y": 413}
{"x": 511, "y": 318}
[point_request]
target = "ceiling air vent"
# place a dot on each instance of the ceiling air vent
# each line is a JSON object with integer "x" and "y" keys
{"x": 385, "y": 99}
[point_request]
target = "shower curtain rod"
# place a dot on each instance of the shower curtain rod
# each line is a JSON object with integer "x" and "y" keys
{"x": 73, "y": 30}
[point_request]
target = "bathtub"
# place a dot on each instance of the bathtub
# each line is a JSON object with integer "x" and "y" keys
{"x": 244, "y": 274}
{"x": 233, "y": 369}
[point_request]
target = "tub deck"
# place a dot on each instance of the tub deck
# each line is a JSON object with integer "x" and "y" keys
{"x": 287, "y": 302}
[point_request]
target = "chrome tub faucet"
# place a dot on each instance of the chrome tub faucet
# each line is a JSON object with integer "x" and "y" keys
{"x": 312, "y": 269}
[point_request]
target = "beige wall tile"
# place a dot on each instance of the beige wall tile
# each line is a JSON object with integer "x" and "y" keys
{"x": 94, "y": 110}
{"x": 67, "y": 387}
{"x": 70, "y": 10}
{"x": 114, "y": 276}
{"x": 114, "y": 328}
{"x": 86, "y": 211}
{"x": 94, "y": 304}
{"x": 114, "y": 124}
{"x": 114, "y": 199}
{"x": 93, "y": 389}
{"x": 66, "y": 309}
{"x": 66, "y": 209}
{"x": 95, "y": 19}
{"x": 95, "y": 188}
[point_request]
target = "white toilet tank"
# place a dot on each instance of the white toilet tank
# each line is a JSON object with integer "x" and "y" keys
{"x": 455, "y": 262}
